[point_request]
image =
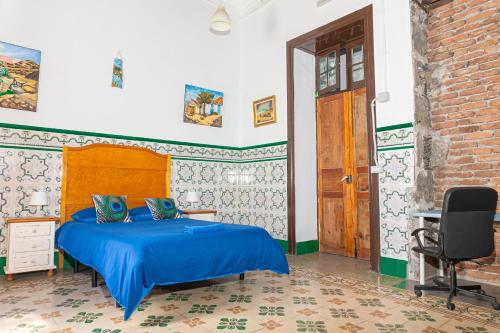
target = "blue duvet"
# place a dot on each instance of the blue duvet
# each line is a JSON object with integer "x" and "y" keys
{"x": 134, "y": 257}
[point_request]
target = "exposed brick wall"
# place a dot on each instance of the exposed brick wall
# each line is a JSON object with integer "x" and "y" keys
{"x": 464, "y": 59}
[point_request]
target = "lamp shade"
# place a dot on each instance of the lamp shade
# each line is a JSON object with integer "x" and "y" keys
{"x": 192, "y": 196}
{"x": 39, "y": 199}
{"x": 220, "y": 21}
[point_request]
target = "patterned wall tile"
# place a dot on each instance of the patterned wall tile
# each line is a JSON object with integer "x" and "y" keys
{"x": 245, "y": 185}
{"x": 400, "y": 136}
{"x": 396, "y": 158}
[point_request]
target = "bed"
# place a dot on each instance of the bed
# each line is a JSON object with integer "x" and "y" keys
{"x": 134, "y": 257}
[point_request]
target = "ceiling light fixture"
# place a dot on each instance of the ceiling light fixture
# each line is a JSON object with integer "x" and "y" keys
{"x": 220, "y": 21}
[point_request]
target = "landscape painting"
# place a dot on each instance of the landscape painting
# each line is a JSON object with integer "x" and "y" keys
{"x": 264, "y": 111}
{"x": 203, "y": 106}
{"x": 19, "y": 74}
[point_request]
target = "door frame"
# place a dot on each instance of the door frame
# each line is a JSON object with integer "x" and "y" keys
{"x": 365, "y": 14}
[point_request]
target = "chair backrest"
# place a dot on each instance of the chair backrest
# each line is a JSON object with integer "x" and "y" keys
{"x": 467, "y": 222}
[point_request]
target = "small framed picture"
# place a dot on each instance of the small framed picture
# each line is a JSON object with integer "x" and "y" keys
{"x": 264, "y": 111}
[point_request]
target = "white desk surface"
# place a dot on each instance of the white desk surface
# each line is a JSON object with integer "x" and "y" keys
{"x": 437, "y": 214}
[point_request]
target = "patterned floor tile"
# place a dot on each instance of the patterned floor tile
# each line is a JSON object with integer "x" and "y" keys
{"x": 308, "y": 301}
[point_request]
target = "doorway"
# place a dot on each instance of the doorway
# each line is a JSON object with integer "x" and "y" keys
{"x": 348, "y": 222}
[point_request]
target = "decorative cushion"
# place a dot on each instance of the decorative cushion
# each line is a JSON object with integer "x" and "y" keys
{"x": 85, "y": 215}
{"x": 111, "y": 208}
{"x": 161, "y": 208}
{"x": 141, "y": 213}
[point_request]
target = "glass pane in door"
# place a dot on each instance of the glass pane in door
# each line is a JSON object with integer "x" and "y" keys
{"x": 322, "y": 65}
{"x": 358, "y": 72}
{"x": 322, "y": 81}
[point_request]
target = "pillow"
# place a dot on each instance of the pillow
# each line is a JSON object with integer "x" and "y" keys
{"x": 85, "y": 215}
{"x": 141, "y": 213}
{"x": 161, "y": 208}
{"x": 111, "y": 208}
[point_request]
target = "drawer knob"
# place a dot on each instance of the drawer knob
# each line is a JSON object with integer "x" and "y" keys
{"x": 33, "y": 246}
{"x": 34, "y": 231}
{"x": 32, "y": 261}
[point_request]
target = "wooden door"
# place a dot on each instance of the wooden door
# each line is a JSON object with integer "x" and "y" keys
{"x": 342, "y": 149}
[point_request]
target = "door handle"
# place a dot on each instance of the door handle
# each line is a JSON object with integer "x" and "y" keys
{"x": 347, "y": 179}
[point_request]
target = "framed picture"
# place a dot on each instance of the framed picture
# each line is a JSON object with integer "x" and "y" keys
{"x": 264, "y": 111}
{"x": 19, "y": 73}
{"x": 203, "y": 106}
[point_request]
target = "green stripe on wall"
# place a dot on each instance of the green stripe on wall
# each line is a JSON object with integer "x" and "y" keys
{"x": 393, "y": 127}
{"x": 395, "y": 148}
{"x": 228, "y": 161}
{"x": 393, "y": 267}
{"x": 173, "y": 157}
{"x": 135, "y": 138}
{"x": 283, "y": 244}
{"x": 311, "y": 246}
{"x": 30, "y": 148}
{"x": 3, "y": 262}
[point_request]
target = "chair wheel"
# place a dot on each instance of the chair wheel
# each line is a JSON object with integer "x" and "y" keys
{"x": 418, "y": 293}
{"x": 450, "y": 306}
{"x": 495, "y": 305}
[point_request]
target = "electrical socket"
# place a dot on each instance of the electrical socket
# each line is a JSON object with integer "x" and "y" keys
{"x": 320, "y": 3}
{"x": 383, "y": 97}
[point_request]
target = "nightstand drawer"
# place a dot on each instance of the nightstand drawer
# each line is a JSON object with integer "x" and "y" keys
{"x": 31, "y": 261}
{"x": 32, "y": 245}
{"x": 22, "y": 231}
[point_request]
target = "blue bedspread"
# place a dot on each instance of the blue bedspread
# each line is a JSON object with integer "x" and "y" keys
{"x": 134, "y": 257}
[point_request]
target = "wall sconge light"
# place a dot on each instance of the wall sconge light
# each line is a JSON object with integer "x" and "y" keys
{"x": 192, "y": 197}
{"x": 39, "y": 199}
{"x": 220, "y": 21}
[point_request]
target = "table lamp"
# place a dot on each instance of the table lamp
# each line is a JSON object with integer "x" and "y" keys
{"x": 39, "y": 199}
{"x": 192, "y": 197}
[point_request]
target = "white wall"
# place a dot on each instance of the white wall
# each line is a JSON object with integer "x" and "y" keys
{"x": 165, "y": 44}
{"x": 305, "y": 148}
{"x": 263, "y": 57}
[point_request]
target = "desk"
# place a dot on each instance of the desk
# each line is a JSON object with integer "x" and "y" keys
{"x": 436, "y": 214}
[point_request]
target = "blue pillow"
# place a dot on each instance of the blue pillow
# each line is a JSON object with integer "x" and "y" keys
{"x": 140, "y": 214}
{"x": 85, "y": 215}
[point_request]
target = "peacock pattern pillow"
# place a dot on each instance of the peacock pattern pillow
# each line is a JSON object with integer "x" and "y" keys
{"x": 162, "y": 208}
{"x": 111, "y": 208}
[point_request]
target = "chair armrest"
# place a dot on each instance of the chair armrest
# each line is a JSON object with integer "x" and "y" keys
{"x": 439, "y": 233}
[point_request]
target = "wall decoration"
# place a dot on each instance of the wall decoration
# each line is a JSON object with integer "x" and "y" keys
{"x": 264, "y": 111}
{"x": 19, "y": 74}
{"x": 203, "y": 106}
{"x": 117, "y": 80}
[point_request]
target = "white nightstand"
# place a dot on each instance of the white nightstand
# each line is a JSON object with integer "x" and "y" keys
{"x": 30, "y": 245}
{"x": 205, "y": 215}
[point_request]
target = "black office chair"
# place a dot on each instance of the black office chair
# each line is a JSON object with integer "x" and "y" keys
{"x": 465, "y": 233}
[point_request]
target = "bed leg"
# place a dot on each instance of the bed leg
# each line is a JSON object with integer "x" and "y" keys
{"x": 94, "y": 278}
{"x": 242, "y": 276}
{"x": 76, "y": 266}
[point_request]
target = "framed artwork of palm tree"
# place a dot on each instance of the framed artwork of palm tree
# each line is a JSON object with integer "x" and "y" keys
{"x": 203, "y": 106}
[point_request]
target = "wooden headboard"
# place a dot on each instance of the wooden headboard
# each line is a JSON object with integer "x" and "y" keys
{"x": 109, "y": 169}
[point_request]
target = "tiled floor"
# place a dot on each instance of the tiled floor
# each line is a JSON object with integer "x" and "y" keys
{"x": 323, "y": 293}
